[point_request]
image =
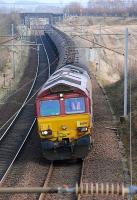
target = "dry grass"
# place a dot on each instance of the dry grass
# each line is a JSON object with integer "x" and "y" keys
{"x": 5, "y": 29}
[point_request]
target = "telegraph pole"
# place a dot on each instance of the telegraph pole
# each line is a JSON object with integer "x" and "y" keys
{"x": 125, "y": 72}
{"x": 38, "y": 49}
{"x": 13, "y": 61}
{"x": 21, "y": 47}
{"x": 99, "y": 43}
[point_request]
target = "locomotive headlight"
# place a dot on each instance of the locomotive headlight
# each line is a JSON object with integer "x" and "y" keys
{"x": 82, "y": 129}
{"x": 61, "y": 95}
{"x": 46, "y": 132}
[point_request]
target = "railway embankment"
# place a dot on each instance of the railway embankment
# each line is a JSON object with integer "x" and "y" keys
{"x": 17, "y": 75}
{"x": 109, "y": 69}
{"x": 108, "y": 66}
{"x": 15, "y": 64}
{"x": 14, "y": 54}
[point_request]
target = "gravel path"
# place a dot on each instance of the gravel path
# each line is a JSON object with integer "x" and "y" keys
{"x": 104, "y": 162}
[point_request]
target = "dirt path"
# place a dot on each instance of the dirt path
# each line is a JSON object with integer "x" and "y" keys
{"x": 104, "y": 163}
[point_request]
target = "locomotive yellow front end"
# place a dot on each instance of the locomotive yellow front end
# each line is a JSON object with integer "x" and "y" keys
{"x": 64, "y": 119}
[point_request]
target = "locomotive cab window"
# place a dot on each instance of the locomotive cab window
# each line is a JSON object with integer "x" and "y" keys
{"x": 49, "y": 107}
{"x": 74, "y": 105}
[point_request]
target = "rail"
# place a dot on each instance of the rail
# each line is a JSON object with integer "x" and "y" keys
{"x": 42, "y": 195}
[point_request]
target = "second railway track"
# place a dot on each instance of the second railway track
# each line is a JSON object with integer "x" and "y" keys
{"x": 15, "y": 135}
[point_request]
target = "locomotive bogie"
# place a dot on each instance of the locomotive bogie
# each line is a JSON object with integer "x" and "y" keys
{"x": 64, "y": 150}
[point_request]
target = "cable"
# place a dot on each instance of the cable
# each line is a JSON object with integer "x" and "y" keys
{"x": 130, "y": 132}
{"x": 101, "y": 45}
{"x": 13, "y": 38}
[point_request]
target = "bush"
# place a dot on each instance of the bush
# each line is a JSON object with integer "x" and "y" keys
{"x": 6, "y": 20}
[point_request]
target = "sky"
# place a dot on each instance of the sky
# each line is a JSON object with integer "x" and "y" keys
{"x": 47, "y": 1}
{"x": 26, "y": 3}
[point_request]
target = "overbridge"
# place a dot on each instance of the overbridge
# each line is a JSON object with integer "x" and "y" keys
{"x": 25, "y": 16}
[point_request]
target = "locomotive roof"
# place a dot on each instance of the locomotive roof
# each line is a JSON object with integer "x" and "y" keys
{"x": 69, "y": 75}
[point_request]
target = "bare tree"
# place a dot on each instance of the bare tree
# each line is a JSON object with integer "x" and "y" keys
{"x": 112, "y": 8}
{"x": 103, "y": 8}
{"x": 74, "y": 8}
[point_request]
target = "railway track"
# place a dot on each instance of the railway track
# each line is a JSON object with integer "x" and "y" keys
{"x": 62, "y": 173}
{"x": 13, "y": 138}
